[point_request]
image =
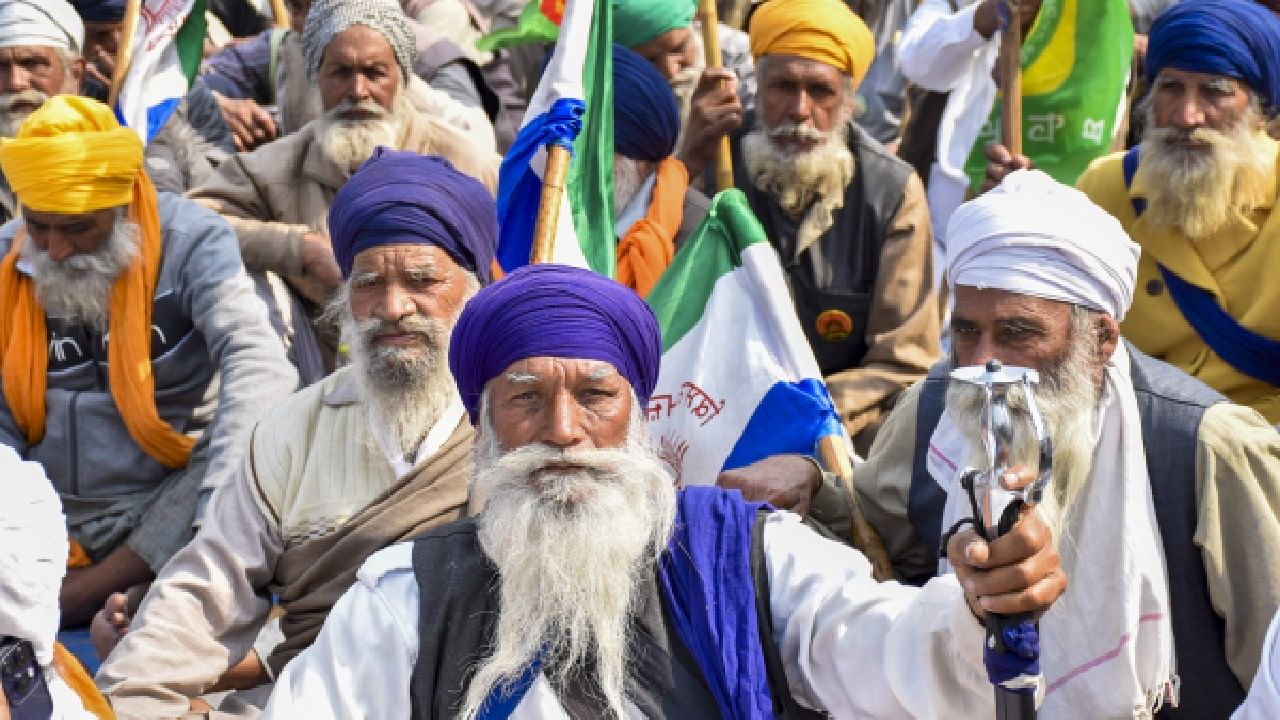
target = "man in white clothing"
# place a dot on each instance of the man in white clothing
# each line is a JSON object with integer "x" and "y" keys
{"x": 587, "y": 585}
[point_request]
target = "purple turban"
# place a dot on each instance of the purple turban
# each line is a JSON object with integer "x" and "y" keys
{"x": 401, "y": 197}
{"x": 554, "y": 311}
{"x": 1221, "y": 37}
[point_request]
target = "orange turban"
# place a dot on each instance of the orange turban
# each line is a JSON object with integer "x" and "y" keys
{"x": 822, "y": 30}
{"x": 72, "y": 157}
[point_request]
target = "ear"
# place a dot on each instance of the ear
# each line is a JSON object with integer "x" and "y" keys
{"x": 1108, "y": 333}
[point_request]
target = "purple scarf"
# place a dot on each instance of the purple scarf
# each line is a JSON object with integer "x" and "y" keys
{"x": 709, "y": 589}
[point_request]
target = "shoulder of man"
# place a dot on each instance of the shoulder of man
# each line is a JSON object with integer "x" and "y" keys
{"x": 1104, "y": 184}
{"x": 1236, "y": 431}
{"x": 428, "y": 136}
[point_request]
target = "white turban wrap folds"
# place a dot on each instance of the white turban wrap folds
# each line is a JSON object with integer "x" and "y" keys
{"x": 33, "y": 554}
{"x": 41, "y": 23}
{"x": 1034, "y": 236}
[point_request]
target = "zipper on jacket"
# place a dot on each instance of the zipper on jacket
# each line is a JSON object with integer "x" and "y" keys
{"x": 72, "y": 446}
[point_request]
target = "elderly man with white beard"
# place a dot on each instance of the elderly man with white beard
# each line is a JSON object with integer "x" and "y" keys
{"x": 1164, "y": 493}
{"x": 588, "y": 587}
{"x": 360, "y": 55}
{"x": 40, "y": 43}
{"x": 376, "y": 453}
{"x": 849, "y": 220}
{"x": 136, "y": 357}
{"x": 1199, "y": 196}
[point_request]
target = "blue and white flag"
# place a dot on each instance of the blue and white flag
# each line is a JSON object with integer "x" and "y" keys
{"x": 738, "y": 380}
{"x": 572, "y": 106}
{"x": 167, "y": 48}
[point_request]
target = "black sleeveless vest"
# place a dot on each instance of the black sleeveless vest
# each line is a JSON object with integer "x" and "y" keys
{"x": 458, "y": 591}
{"x": 1171, "y": 404}
{"x": 834, "y": 279}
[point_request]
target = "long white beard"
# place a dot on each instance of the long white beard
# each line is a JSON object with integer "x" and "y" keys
{"x": 813, "y": 180}
{"x": 10, "y": 121}
{"x": 1199, "y": 189}
{"x": 78, "y": 288}
{"x": 1068, "y": 401}
{"x": 348, "y": 143}
{"x": 407, "y": 389}
{"x": 571, "y": 550}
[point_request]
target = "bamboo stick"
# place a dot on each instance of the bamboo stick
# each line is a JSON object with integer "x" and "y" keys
{"x": 711, "y": 46}
{"x": 835, "y": 458}
{"x": 132, "y": 12}
{"x": 1011, "y": 81}
{"x": 553, "y": 184}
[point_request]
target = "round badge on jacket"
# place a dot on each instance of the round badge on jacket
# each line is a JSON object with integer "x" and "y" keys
{"x": 834, "y": 325}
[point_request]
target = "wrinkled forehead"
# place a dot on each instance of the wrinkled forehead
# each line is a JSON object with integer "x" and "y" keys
{"x": 986, "y": 304}
{"x": 549, "y": 370}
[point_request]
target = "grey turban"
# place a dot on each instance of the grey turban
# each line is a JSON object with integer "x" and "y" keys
{"x": 46, "y": 23}
{"x": 330, "y": 17}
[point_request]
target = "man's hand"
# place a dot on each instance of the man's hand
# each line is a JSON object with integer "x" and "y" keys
{"x": 714, "y": 111}
{"x": 85, "y": 590}
{"x": 318, "y": 261}
{"x": 250, "y": 124}
{"x": 787, "y": 482}
{"x": 986, "y": 20}
{"x": 101, "y": 69}
{"x": 111, "y": 623}
{"x": 1001, "y": 162}
{"x": 1017, "y": 572}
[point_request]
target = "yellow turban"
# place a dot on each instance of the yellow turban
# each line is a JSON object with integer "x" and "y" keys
{"x": 72, "y": 157}
{"x": 822, "y": 30}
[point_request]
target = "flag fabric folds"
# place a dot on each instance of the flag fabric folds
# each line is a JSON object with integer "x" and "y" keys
{"x": 167, "y": 49}
{"x": 738, "y": 380}
{"x": 572, "y": 104}
{"x": 1075, "y": 62}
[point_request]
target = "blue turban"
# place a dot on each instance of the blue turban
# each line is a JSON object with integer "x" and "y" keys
{"x": 646, "y": 121}
{"x": 554, "y": 311}
{"x": 402, "y": 197}
{"x": 1235, "y": 38}
{"x": 103, "y": 11}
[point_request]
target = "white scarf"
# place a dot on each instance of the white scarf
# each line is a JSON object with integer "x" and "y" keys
{"x": 1106, "y": 645}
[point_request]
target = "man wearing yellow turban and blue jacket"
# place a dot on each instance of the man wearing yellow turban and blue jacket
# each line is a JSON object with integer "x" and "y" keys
{"x": 135, "y": 352}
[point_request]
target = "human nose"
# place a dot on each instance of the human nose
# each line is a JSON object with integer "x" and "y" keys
{"x": 395, "y": 304}
{"x": 563, "y": 428}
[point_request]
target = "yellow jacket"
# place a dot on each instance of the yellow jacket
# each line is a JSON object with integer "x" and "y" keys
{"x": 1240, "y": 265}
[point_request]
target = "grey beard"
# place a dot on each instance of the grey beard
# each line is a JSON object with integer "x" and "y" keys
{"x": 1199, "y": 189}
{"x": 1068, "y": 401}
{"x": 627, "y": 181}
{"x": 571, "y": 550}
{"x": 348, "y": 143}
{"x": 11, "y": 121}
{"x": 78, "y": 289}
{"x": 406, "y": 389}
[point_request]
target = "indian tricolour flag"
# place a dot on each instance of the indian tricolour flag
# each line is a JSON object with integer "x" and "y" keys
{"x": 738, "y": 381}
{"x": 572, "y": 104}
{"x": 167, "y": 48}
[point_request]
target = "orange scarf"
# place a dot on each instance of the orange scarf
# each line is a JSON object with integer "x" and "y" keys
{"x": 77, "y": 678}
{"x": 23, "y": 337}
{"x": 647, "y": 248}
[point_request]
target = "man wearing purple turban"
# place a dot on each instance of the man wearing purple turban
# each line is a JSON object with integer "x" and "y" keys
{"x": 588, "y": 585}
{"x": 376, "y": 453}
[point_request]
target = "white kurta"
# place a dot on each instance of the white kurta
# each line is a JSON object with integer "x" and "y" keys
{"x": 850, "y": 646}
{"x": 1263, "y": 702}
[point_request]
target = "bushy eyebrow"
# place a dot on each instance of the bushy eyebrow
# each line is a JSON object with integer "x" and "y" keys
{"x": 601, "y": 373}
{"x": 522, "y": 377}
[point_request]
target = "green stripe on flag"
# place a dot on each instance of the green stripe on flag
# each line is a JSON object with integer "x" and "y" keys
{"x": 712, "y": 251}
{"x": 590, "y": 184}
{"x": 189, "y": 41}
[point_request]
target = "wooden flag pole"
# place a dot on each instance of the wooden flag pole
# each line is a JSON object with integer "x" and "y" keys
{"x": 553, "y": 184}
{"x": 132, "y": 12}
{"x": 280, "y": 13}
{"x": 711, "y": 46}
{"x": 835, "y": 458}
{"x": 1011, "y": 80}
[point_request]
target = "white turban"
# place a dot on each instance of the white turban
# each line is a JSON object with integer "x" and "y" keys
{"x": 33, "y": 554}
{"x": 41, "y": 23}
{"x": 1034, "y": 236}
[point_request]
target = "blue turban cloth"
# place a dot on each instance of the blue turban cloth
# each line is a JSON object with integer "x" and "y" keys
{"x": 1235, "y": 38}
{"x": 400, "y": 198}
{"x": 554, "y": 311}
{"x": 100, "y": 10}
{"x": 646, "y": 120}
